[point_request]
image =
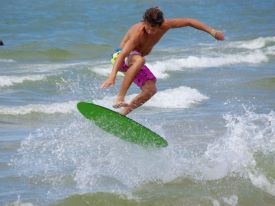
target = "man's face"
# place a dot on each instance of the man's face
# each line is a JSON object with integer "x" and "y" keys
{"x": 151, "y": 30}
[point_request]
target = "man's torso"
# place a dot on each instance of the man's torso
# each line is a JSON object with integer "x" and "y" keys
{"x": 144, "y": 41}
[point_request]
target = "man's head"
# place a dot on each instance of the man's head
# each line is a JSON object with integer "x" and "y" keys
{"x": 153, "y": 19}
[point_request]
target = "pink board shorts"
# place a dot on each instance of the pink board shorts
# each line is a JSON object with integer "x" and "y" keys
{"x": 142, "y": 76}
{"x": 144, "y": 73}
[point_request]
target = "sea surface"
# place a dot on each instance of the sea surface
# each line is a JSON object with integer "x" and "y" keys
{"x": 215, "y": 106}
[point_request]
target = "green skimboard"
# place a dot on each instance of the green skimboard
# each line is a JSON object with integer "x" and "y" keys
{"x": 120, "y": 126}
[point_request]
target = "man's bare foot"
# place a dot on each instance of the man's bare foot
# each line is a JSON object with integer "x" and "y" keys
{"x": 119, "y": 104}
{"x": 126, "y": 110}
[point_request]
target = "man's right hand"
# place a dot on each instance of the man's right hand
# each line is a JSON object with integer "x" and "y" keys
{"x": 219, "y": 36}
{"x": 107, "y": 83}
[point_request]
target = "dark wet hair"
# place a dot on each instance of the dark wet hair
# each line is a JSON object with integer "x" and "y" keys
{"x": 153, "y": 16}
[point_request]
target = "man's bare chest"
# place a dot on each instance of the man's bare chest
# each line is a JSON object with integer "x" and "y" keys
{"x": 147, "y": 41}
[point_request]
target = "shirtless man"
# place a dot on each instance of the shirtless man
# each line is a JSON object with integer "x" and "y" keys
{"x": 137, "y": 43}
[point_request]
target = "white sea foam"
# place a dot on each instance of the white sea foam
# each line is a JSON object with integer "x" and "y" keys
{"x": 45, "y": 70}
{"x": 162, "y": 68}
{"x": 182, "y": 97}
{"x": 64, "y": 108}
{"x": 257, "y": 43}
{"x": 18, "y": 202}
{"x": 232, "y": 200}
{"x": 270, "y": 50}
{"x": 176, "y": 98}
{"x": 98, "y": 165}
{"x": 12, "y": 80}
{"x": 7, "y": 60}
{"x": 234, "y": 153}
{"x": 261, "y": 181}
{"x": 103, "y": 69}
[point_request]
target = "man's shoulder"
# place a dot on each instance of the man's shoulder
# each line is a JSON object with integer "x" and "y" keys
{"x": 136, "y": 30}
{"x": 137, "y": 27}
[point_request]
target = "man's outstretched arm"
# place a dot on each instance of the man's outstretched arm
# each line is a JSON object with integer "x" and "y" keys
{"x": 183, "y": 22}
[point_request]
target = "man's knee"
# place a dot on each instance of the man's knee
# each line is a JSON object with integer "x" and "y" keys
{"x": 151, "y": 90}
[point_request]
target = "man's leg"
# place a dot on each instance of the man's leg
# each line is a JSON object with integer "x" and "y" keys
{"x": 147, "y": 91}
{"x": 136, "y": 62}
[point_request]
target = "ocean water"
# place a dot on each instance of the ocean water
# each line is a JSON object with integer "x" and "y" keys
{"x": 215, "y": 106}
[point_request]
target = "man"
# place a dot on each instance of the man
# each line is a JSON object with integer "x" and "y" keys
{"x": 137, "y": 43}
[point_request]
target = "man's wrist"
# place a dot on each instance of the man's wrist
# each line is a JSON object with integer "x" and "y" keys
{"x": 213, "y": 33}
{"x": 112, "y": 76}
